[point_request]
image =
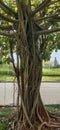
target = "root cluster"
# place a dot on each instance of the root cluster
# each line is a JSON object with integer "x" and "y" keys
{"x": 39, "y": 124}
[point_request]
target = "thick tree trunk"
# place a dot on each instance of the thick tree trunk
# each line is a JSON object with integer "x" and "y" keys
{"x": 30, "y": 52}
{"x": 32, "y": 108}
{"x": 29, "y": 80}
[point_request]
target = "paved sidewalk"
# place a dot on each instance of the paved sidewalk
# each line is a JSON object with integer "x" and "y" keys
{"x": 50, "y": 93}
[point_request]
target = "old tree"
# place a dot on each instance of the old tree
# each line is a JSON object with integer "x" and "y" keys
{"x": 27, "y": 24}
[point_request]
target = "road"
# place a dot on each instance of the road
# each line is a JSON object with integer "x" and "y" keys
{"x": 50, "y": 93}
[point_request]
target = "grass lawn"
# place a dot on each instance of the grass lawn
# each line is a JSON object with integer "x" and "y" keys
{"x": 53, "y": 108}
{"x": 4, "y": 114}
{"x": 6, "y": 68}
{"x": 6, "y": 78}
{"x": 53, "y": 71}
{"x": 50, "y": 78}
{"x": 7, "y": 73}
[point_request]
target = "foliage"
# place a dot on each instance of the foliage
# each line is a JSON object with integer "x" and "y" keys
{"x": 53, "y": 40}
{"x": 4, "y": 49}
{"x": 53, "y": 44}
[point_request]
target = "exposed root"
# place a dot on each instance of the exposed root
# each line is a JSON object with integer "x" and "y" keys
{"x": 40, "y": 127}
{"x": 53, "y": 115}
{"x": 37, "y": 126}
{"x": 52, "y": 125}
{"x": 54, "y": 122}
{"x": 48, "y": 125}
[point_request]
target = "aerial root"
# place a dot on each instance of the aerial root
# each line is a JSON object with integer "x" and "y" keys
{"x": 48, "y": 125}
{"x": 39, "y": 117}
{"x": 40, "y": 127}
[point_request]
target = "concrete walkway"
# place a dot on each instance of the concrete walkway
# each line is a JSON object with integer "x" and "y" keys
{"x": 50, "y": 93}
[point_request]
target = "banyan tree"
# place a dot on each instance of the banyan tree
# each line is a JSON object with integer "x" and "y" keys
{"x": 26, "y": 24}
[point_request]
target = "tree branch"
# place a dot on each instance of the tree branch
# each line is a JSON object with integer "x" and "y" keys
{"x": 41, "y": 6}
{"x": 11, "y": 52}
{"x": 7, "y": 18}
{"x": 7, "y": 34}
{"x": 6, "y": 9}
{"x": 48, "y": 31}
{"x": 54, "y": 2}
{"x": 54, "y": 16}
{"x": 56, "y": 19}
{"x": 4, "y": 27}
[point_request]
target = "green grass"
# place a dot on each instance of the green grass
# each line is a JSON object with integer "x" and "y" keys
{"x": 6, "y": 67}
{"x": 4, "y": 113}
{"x": 53, "y": 108}
{"x": 6, "y": 70}
{"x": 3, "y": 125}
{"x": 6, "y": 78}
{"x": 53, "y": 71}
{"x": 7, "y": 73}
{"x": 50, "y": 78}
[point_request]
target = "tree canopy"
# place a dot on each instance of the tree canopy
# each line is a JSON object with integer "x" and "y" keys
{"x": 44, "y": 13}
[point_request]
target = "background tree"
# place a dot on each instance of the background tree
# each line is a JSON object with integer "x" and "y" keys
{"x": 27, "y": 24}
{"x": 55, "y": 62}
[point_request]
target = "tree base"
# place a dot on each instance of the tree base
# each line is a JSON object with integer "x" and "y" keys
{"x": 53, "y": 124}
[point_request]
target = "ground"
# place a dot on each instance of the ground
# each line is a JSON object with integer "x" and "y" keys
{"x": 7, "y": 116}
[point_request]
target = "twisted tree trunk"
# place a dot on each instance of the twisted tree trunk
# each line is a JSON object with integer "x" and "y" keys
{"x": 30, "y": 49}
{"x": 28, "y": 71}
{"x": 29, "y": 78}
